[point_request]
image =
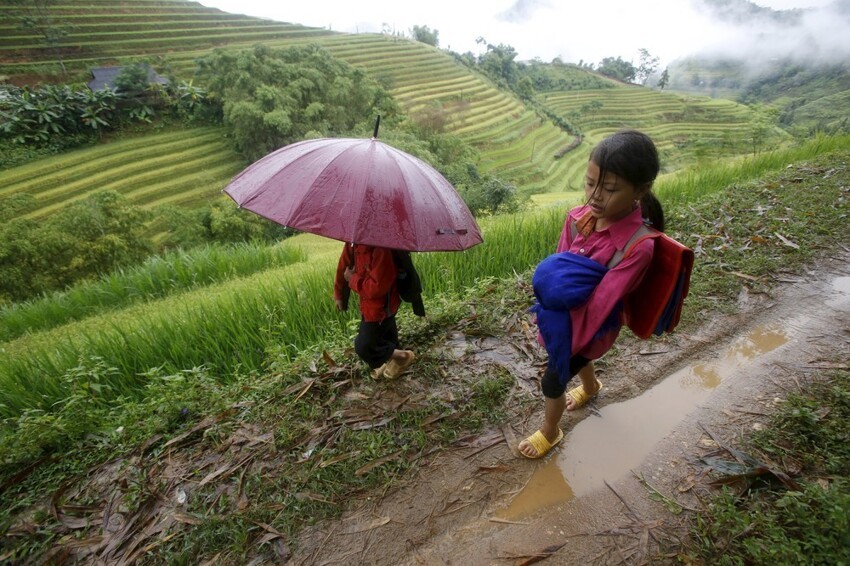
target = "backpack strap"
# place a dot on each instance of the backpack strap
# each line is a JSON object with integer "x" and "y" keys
{"x": 642, "y": 233}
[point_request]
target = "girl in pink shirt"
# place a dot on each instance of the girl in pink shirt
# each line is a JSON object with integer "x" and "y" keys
{"x": 579, "y": 326}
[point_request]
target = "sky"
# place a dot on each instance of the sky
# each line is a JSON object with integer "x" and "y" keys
{"x": 573, "y": 30}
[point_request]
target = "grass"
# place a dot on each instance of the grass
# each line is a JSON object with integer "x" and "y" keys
{"x": 771, "y": 524}
{"x": 276, "y": 306}
{"x": 173, "y": 272}
{"x": 313, "y": 429}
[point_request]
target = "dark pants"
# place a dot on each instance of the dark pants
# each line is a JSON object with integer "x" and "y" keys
{"x": 551, "y": 383}
{"x": 375, "y": 341}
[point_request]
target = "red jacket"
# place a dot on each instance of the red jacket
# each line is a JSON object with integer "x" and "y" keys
{"x": 374, "y": 281}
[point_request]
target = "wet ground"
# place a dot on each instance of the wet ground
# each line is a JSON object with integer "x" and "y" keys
{"x": 622, "y": 484}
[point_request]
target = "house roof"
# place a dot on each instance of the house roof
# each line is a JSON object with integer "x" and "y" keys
{"x": 104, "y": 77}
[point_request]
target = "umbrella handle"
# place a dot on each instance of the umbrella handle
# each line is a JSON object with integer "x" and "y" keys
{"x": 377, "y": 123}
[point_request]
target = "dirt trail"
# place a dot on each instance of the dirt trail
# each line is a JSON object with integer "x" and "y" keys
{"x": 676, "y": 396}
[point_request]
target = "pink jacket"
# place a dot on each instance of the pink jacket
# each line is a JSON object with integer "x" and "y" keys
{"x": 600, "y": 246}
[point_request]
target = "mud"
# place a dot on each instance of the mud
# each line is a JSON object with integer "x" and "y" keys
{"x": 623, "y": 483}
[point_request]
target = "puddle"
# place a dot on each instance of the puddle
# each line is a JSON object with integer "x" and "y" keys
{"x": 607, "y": 448}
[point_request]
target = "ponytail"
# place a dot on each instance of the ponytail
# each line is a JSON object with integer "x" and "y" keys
{"x": 652, "y": 210}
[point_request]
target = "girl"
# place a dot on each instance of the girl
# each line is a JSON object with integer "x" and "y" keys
{"x": 371, "y": 272}
{"x": 580, "y": 291}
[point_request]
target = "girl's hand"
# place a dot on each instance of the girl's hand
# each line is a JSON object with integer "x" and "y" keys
{"x": 349, "y": 271}
{"x": 340, "y": 306}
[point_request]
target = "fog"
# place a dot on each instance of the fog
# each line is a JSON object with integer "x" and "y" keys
{"x": 819, "y": 34}
{"x": 589, "y": 31}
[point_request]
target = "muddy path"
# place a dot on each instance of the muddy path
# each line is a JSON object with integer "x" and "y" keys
{"x": 621, "y": 486}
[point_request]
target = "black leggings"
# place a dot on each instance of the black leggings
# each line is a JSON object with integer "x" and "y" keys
{"x": 375, "y": 341}
{"x": 551, "y": 383}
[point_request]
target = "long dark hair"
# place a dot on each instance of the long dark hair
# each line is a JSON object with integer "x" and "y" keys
{"x": 632, "y": 155}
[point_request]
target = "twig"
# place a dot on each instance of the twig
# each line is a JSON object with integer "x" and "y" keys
{"x": 623, "y": 501}
{"x": 506, "y": 521}
{"x": 653, "y": 489}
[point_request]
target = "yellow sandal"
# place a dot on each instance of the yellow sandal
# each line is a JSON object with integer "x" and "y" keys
{"x": 395, "y": 369}
{"x": 580, "y": 396}
{"x": 541, "y": 445}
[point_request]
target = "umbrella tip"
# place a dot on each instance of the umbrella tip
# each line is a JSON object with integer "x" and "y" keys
{"x": 377, "y": 123}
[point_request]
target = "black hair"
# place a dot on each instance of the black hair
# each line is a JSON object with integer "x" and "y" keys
{"x": 632, "y": 155}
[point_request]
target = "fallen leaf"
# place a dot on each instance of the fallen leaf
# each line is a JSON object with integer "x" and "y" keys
{"x": 340, "y": 458}
{"x": 371, "y": 525}
{"x": 375, "y": 463}
{"x": 496, "y": 468}
{"x": 744, "y": 276}
{"x": 184, "y": 517}
{"x": 786, "y": 241}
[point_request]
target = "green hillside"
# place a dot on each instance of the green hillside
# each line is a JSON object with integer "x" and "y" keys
{"x": 809, "y": 97}
{"x": 515, "y": 141}
{"x": 177, "y": 167}
{"x": 685, "y": 127}
{"x": 101, "y": 32}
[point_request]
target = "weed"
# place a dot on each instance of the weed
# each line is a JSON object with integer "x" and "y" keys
{"x": 789, "y": 527}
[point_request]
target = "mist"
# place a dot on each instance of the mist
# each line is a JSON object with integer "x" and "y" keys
{"x": 817, "y": 35}
{"x": 809, "y": 30}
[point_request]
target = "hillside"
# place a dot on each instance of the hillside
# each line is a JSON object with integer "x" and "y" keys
{"x": 515, "y": 141}
{"x": 795, "y": 61}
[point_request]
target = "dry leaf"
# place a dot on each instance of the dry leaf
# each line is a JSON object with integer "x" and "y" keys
{"x": 184, "y": 517}
{"x": 374, "y": 524}
{"x": 786, "y": 241}
{"x": 374, "y": 464}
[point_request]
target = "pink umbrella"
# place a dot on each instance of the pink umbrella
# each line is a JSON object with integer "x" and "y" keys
{"x": 357, "y": 190}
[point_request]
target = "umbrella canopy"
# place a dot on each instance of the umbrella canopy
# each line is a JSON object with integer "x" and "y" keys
{"x": 357, "y": 190}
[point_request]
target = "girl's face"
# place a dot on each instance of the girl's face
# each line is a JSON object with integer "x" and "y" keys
{"x": 610, "y": 198}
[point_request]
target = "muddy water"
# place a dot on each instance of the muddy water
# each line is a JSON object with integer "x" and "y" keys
{"x": 606, "y": 448}
{"x": 621, "y": 435}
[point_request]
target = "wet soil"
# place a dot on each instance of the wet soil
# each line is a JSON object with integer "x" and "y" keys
{"x": 624, "y": 482}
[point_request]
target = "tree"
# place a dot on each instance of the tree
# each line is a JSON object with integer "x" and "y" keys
{"x": 761, "y": 125}
{"x": 525, "y": 88}
{"x": 491, "y": 196}
{"x": 132, "y": 81}
{"x": 665, "y": 78}
{"x": 498, "y": 63}
{"x": 272, "y": 97}
{"x": 37, "y": 16}
{"x": 85, "y": 239}
{"x": 424, "y": 34}
{"x": 617, "y": 68}
{"x": 647, "y": 64}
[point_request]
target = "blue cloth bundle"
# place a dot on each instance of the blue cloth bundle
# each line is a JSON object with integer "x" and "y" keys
{"x": 562, "y": 282}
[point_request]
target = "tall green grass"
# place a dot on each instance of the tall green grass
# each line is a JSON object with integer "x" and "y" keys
{"x": 230, "y": 327}
{"x": 695, "y": 182}
{"x": 173, "y": 272}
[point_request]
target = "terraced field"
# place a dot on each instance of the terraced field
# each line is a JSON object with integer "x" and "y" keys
{"x": 117, "y": 30}
{"x": 679, "y": 124}
{"x": 187, "y": 167}
{"x": 514, "y": 142}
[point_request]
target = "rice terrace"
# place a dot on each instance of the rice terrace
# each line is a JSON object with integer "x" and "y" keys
{"x": 177, "y": 385}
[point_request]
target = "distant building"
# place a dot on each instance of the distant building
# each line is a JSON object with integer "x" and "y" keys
{"x": 104, "y": 77}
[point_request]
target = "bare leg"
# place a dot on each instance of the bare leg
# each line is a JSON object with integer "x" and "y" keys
{"x": 587, "y": 374}
{"x": 554, "y": 410}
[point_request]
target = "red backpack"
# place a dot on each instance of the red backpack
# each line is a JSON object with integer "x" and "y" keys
{"x": 655, "y": 306}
